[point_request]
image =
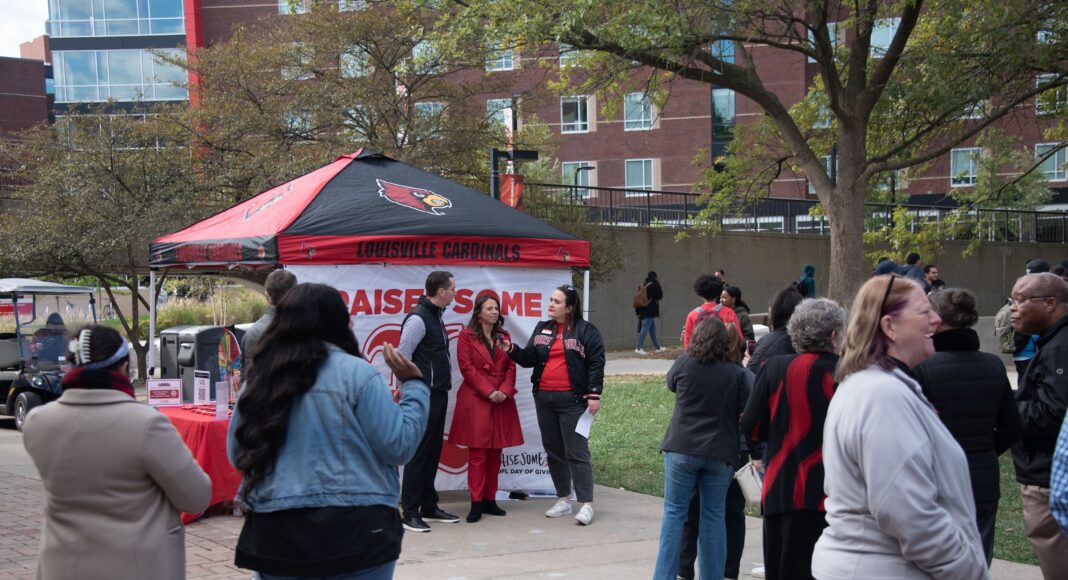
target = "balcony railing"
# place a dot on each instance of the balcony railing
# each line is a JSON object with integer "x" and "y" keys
{"x": 669, "y": 209}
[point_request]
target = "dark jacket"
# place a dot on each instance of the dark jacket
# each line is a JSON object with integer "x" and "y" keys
{"x": 973, "y": 397}
{"x": 656, "y": 294}
{"x": 1041, "y": 400}
{"x": 709, "y": 398}
{"x": 583, "y": 349}
{"x": 787, "y": 411}
{"x": 432, "y": 354}
{"x": 772, "y": 344}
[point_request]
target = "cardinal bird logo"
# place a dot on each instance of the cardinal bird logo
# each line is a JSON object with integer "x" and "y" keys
{"x": 417, "y": 198}
{"x": 307, "y": 250}
{"x": 563, "y": 255}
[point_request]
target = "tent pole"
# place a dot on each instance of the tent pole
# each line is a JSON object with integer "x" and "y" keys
{"x": 586, "y": 294}
{"x": 153, "y": 356}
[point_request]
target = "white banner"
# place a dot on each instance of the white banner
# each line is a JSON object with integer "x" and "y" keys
{"x": 379, "y": 296}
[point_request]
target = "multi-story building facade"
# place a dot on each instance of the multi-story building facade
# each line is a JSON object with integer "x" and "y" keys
{"x": 100, "y": 50}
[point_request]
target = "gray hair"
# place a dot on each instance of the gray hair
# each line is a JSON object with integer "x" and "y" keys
{"x": 813, "y": 322}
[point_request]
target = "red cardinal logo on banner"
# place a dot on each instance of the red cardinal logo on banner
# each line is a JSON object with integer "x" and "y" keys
{"x": 416, "y": 198}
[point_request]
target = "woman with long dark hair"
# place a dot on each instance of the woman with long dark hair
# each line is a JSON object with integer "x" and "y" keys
{"x": 115, "y": 472}
{"x": 567, "y": 354}
{"x": 485, "y": 418}
{"x": 732, "y": 298}
{"x": 318, "y": 437}
{"x": 701, "y": 445}
{"x": 777, "y": 341}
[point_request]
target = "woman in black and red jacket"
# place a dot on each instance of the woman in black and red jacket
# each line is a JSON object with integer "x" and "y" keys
{"x": 567, "y": 354}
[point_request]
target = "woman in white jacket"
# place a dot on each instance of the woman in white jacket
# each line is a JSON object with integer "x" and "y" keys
{"x": 899, "y": 498}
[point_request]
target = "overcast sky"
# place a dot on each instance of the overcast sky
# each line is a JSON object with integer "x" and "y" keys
{"x": 20, "y": 20}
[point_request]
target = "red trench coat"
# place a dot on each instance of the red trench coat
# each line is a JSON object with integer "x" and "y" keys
{"x": 477, "y": 422}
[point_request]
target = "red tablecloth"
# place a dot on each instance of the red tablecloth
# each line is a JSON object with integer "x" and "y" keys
{"x": 206, "y": 438}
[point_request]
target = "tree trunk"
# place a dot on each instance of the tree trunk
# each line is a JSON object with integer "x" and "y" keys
{"x": 845, "y": 212}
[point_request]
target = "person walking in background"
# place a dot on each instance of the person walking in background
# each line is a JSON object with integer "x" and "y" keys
{"x": 913, "y": 268}
{"x": 424, "y": 341}
{"x": 701, "y": 445}
{"x": 899, "y": 496}
{"x": 648, "y": 314}
{"x": 731, "y": 297}
{"x": 1040, "y": 306}
{"x": 115, "y": 472}
{"x": 278, "y": 283}
{"x": 777, "y": 341}
{"x": 709, "y": 288}
{"x": 485, "y": 419}
{"x": 567, "y": 354}
{"x": 931, "y": 279}
{"x": 318, "y": 438}
{"x": 801, "y": 387}
{"x": 972, "y": 395}
{"x": 806, "y": 284}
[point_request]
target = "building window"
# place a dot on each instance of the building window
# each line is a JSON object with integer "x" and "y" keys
{"x": 355, "y": 120}
{"x": 637, "y": 112}
{"x": 569, "y": 55}
{"x": 429, "y": 108}
{"x": 1054, "y": 166}
{"x": 115, "y": 17}
{"x": 298, "y": 125}
{"x": 722, "y": 113}
{"x": 826, "y": 160}
{"x": 882, "y": 34}
{"x": 425, "y": 59}
{"x": 723, "y": 50}
{"x": 571, "y": 173}
{"x": 832, "y": 32}
{"x": 500, "y": 111}
{"x": 639, "y": 175}
{"x": 574, "y": 114}
{"x": 298, "y": 61}
{"x": 84, "y": 76}
{"x": 964, "y": 166}
{"x": 500, "y": 59}
{"x": 351, "y": 5}
{"x": 1048, "y": 102}
{"x": 292, "y": 6}
{"x": 354, "y": 63}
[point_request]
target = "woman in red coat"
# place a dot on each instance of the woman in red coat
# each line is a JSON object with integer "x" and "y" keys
{"x": 485, "y": 419}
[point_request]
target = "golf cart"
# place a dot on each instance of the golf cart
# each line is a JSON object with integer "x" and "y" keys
{"x": 31, "y": 365}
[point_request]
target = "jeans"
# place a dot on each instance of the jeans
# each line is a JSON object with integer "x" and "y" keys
{"x": 682, "y": 473}
{"x": 567, "y": 452}
{"x": 647, "y": 326}
{"x": 735, "y": 519}
{"x": 380, "y": 572}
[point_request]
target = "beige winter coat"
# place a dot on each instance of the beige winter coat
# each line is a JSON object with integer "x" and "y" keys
{"x": 115, "y": 475}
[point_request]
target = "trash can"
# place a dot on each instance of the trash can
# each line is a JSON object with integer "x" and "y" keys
{"x": 168, "y": 352}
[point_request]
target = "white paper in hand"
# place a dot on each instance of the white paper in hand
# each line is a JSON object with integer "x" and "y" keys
{"x": 584, "y": 424}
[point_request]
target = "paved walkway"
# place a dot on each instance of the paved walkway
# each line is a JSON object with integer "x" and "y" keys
{"x": 621, "y": 543}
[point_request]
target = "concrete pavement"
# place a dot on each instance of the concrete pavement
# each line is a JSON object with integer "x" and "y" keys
{"x": 621, "y": 543}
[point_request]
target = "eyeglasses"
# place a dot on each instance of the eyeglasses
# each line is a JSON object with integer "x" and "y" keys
{"x": 1020, "y": 301}
{"x": 889, "y": 285}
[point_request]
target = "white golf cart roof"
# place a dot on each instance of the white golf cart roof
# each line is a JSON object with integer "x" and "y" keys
{"x": 27, "y": 286}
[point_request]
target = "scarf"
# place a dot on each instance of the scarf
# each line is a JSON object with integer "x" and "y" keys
{"x": 81, "y": 378}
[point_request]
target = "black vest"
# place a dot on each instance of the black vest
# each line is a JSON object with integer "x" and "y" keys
{"x": 432, "y": 353}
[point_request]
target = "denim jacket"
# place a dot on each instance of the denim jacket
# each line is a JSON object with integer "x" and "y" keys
{"x": 344, "y": 441}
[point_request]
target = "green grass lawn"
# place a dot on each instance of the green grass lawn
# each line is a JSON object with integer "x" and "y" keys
{"x": 625, "y": 444}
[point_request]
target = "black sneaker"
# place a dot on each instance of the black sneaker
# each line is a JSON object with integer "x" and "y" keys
{"x": 415, "y": 524}
{"x": 438, "y": 515}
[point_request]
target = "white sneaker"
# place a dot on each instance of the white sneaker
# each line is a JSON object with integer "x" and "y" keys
{"x": 640, "y": 351}
{"x": 661, "y": 349}
{"x": 561, "y": 508}
{"x": 757, "y": 572}
{"x": 585, "y": 515}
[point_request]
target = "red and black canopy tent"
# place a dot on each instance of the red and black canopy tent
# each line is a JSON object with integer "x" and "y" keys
{"x": 367, "y": 208}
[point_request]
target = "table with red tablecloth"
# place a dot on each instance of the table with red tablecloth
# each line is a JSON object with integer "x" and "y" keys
{"x": 206, "y": 438}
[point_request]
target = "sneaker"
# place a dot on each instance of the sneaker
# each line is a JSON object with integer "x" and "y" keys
{"x": 441, "y": 516}
{"x": 640, "y": 351}
{"x": 662, "y": 349}
{"x": 415, "y": 524}
{"x": 757, "y": 572}
{"x": 561, "y": 508}
{"x": 585, "y": 515}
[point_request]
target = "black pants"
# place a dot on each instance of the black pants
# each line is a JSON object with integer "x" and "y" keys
{"x": 789, "y": 541}
{"x": 985, "y": 516}
{"x": 735, "y": 521}
{"x": 417, "y": 488}
{"x": 567, "y": 452}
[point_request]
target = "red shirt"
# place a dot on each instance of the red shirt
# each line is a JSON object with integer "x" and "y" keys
{"x": 554, "y": 376}
{"x": 725, "y": 314}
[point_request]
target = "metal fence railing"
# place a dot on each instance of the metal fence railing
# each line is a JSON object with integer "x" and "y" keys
{"x": 669, "y": 209}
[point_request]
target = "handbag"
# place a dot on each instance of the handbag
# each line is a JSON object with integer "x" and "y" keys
{"x": 751, "y": 481}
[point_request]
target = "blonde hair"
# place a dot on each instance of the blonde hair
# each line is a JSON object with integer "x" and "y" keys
{"x": 865, "y": 343}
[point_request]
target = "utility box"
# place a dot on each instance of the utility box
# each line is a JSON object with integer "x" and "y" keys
{"x": 168, "y": 352}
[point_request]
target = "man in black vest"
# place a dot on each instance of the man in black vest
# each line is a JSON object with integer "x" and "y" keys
{"x": 424, "y": 341}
